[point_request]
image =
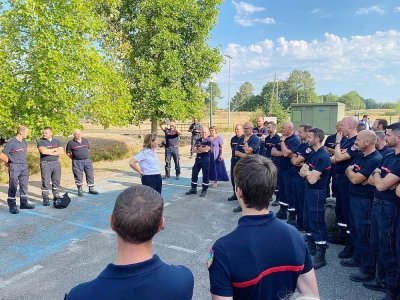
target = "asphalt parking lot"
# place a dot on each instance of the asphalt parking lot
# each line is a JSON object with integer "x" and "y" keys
{"x": 45, "y": 252}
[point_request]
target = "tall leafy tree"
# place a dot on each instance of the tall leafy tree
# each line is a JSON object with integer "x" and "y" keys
{"x": 330, "y": 98}
{"x": 244, "y": 98}
{"x": 169, "y": 57}
{"x": 54, "y": 69}
{"x": 212, "y": 92}
{"x": 352, "y": 100}
{"x": 300, "y": 89}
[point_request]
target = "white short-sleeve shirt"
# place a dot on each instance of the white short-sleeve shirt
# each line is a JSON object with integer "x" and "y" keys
{"x": 148, "y": 161}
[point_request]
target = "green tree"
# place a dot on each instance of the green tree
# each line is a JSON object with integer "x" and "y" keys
{"x": 212, "y": 91}
{"x": 300, "y": 88}
{"x": 244, "y": 98}
{"x": 54, "y": 69}
{"x": 330, "y": 98}
{"x": 352, "y": 100}
{"x": 168, "y": 57}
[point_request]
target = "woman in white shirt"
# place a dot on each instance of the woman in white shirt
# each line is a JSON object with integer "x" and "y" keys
{"x": 149, "y": 164}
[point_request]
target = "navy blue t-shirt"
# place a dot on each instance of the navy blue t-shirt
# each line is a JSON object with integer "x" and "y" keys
{"x": 234, "y": 141}
{"x": 321, "y": 162}
{"x": 148, "y": 280}
{"x": 390, "y": 164}
{"x": 386, "y": 150}
{"x": 346, "y": 145}
{"x": 78, "y": 150}
{"x": 305, "y": 151}
{"x": 171, "y": 138}
{"x": 365, "y": 165}
{"x": 260, "y": 131}
{"x": 261, "y": 259}
{"x": 270, "y": 142}
{"x": 253, "y": 142}
{"x": 16, "y": 151}
{"x": 292, "y": 143}
{"x": 202, "y": 143}
{"x": 54, "y": 143}
{"x": 330, "y": 141}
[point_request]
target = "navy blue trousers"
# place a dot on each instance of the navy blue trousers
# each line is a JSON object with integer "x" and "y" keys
{"x": 314, "y": 214}
{"x": 360, "y": 216}
{"x": 80, "y": 166}
{"x": 19, "y": 174}
{"x": 174, "y": 153}
{"x": 342, "y": 209}
{"x": 202, "y": 164}
{"x": 51, "y": 172}
{"x": 153, "y": 181}
{"x": 385, "y": 216}
{"x": 234, "y": 160}
{"x": 286, "y": 188}
{"x": 298, "y": 195}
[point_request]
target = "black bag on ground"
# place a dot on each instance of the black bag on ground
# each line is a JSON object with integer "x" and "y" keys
{"x": 62, "y": 202}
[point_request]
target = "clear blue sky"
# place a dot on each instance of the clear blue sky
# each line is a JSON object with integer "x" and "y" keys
{"x": 345, "y": 45}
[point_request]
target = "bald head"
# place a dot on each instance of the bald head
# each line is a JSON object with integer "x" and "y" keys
{"x": 248, "y": 128}
{"x": 287, "y": 128}
{"x": 349, "y": 126}
{"x": 77, "y": 135}
{"x": 366, "y": 140}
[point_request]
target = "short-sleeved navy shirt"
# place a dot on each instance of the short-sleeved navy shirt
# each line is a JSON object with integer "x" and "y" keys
{"x": 330, "y": 141}
{"x": 365, "y": 165}
{"x": 202, "y": 143}
{"x": 270, "y": 142}
{"x": 292, "y": 143}
{"x": 151, "y": 279}
{"x": 171, "y": 138}
{"x": 346, "y": 145}
{"x": 305, "y": 151}
{"x": 54, "y": 143}
{"x": 320, "y": 161}
{"x": 261, "y": 259}
{"x": 390, "y": 164}
{"x": 78, "y": 150}
{"x": 234, "y": 141}
{"x": 260, "y": 131}
{"x": 16, "y": 151}
{"x": 253, "y": 142}
{"x": 386, "y": 150}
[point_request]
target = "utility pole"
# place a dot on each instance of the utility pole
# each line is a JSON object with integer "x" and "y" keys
{"x": 211, "y": 103}
{"x": 229, "y": 88}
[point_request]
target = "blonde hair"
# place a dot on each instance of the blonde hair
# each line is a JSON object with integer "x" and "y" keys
{"x": 148, "y": 139}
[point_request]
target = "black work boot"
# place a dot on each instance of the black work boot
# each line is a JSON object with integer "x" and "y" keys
{"x": 14, "y": 210}
{"x": 232, "y": 198}
{"x": 26, "y": 205}
{"x": 237, "y": 209}
{"x": 203, "y": 193}
{"x": 93, "y": 191}
{"x": 347, "y": 252}
{"x": 378, "y": 285}
{"x": 292, "y": 219}
{"x": 282, "y": 213}
{"x": 319, "y": 258}
{"x": 312, "y": 248}
{"x": 80, "y": 191}
{"x": 46, "y": 201}
{"x": 177, "y": 176}
{"x": 192, "y": 191}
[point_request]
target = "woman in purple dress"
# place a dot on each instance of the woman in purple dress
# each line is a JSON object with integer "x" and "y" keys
{"x": 217, "y": 165}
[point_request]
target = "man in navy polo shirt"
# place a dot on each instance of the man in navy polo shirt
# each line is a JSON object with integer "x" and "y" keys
{"x": 381, "y": 144}
{"x": 300, "y": 156}
{"x": 136, "y": 272}
{"x": 283, "y": 151}
{"x": 14, "y": 154}
{"x": 271, "y": 140}
{"x": 78, "y": 151}
{"x": 202, "y": 149}
{"x": 261, "y": 131}
{"x": 330, "y": 146}
{"x": 248, "y": 144}
{"x": 50, "y": 149}
{"x": 361, "y": 198}
{"x": 345, "y": 151}
{"x": 234, "y": 158}
{"x": 385, "y": 214}
{"x": 316, "y": 173}
{"x": 263, "y": 258}
{"x": 171, "y": 148}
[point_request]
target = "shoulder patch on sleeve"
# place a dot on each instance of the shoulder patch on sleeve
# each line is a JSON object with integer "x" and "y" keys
{"x": 210, "y": 258}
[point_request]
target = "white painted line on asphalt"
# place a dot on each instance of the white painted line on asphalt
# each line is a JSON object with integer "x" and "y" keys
{"x": 17, "y": 277}
{"x": 186, "y": 250}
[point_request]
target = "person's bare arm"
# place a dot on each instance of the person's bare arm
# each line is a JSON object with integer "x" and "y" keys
{"x": 307, "y": 284}
{"x": 239, "y": 154}
{"x": 215, "y": 297}
{"x": 398, "y": 190}
{"x": 313, "y": 176}
{"x": 297, "y": 160}
{"x": 286, "y": 152}
{"x": 355, "y": 178}
{"x": 4, "y": 157}
{"x": 276, "y": 152}
{"x": 133, "y": 164}
{"x": 383, "y": 184}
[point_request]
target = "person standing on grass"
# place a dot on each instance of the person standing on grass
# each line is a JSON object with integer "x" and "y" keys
{"x": 217, "y": 165}
{"x": 149, "y": 164}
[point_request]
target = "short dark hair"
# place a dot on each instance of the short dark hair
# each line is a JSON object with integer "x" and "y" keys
{"x": 383, "y": 123}
{"x": 318, "y": 133}
{"x": 48, "y": 128}
{"x": 256, "y": 176}
{"x": 271, "y": 123}
{"x": 306, "y": 127}
{"x": 361, "y": 126}
{"x": 394, "y": 127}
{"x": 137, "y": 214}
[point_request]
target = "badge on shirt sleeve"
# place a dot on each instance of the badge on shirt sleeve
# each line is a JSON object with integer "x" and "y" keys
{"x": 354, "y": 148}
{"x": 210, "y": 258}
{"x": 308, "y": 150}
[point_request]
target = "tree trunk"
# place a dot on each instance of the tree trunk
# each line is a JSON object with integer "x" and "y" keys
{"x": 154, "y": 125}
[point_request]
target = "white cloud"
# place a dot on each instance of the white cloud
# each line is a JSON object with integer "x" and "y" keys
{"x": 244, "y": 8}
{"x": 369, "y": 10}
{"x": 244, "y": 11}
{"x": 315, "y": 11}
{"x": 397, "y": 9}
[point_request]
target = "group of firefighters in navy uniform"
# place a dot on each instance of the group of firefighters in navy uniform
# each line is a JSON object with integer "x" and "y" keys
{"x": 50, "y": 149}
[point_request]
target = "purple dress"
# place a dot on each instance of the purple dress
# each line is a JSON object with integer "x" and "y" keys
{"x": 217, "y": 166}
